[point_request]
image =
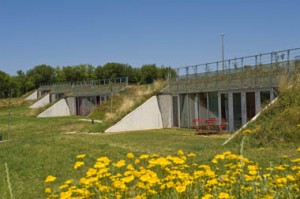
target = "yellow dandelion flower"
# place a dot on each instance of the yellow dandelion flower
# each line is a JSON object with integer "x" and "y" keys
{"x": 247, "y": 131}
{"x": 170, "y": 184}
{"x": 69, "y": 181}
{"x": 48, "y": 190}
{"x": 78, "y": 164}
{"x": 91, "y": 172}
{"x": 137, "y": 161}
{"x": 227, "y": 153}
{"x": 219, "y": 157}
{"x": 145, "y": 178}
{"x": 296, "y": 160}
{"x": 180, "y": 152}
{"x": 178, "y": 160}
{"x": 63, "y": 186}
{"x": 144, "y": 156}
{"x": 154, "y": 155}
{"x": 119, "y": 184}
{"x": 290, "y": 178}
{"x": 298, "y": 125}
{"x": 128, "y": 179}
{"x": 140, "y": 197}
{"x": 280, "y": 168}
{"x": 104, "y": 160}
{"x": 103, "y": 188}
{"x": 268, "y": 197}
{"x": 213, "y": 181}
{"x": 281, "y": 180}
{"x": 298, "y": 149}
{"x": 191, "y": 155}
{"x": 130, "y": 167}
{"x": 248, "y": 178}
{"x": 50, "y": 178}
{"x": 223, "y": 195}
{"x": 65, "y": 195}
{"x": 130, "y": 155}
{"x": 119, "y": 164}
{"x": 180, "y": 188}
{"x": 80, "y": 156}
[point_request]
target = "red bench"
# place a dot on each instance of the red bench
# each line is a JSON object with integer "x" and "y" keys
{"x": 211, "y": 125}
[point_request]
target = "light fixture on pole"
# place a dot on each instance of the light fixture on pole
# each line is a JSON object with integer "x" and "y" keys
{"x": 223, "y": 64}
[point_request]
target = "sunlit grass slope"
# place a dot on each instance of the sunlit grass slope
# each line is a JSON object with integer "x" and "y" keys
{"x": 124, "y": 102}
{"x": 280, "y": 123}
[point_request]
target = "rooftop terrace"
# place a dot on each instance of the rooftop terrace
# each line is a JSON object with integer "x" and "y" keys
{"x": 257, "y": 71}
{"x": 86, "y": 88}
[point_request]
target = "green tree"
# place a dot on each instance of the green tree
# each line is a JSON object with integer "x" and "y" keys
{"x": 69, "y": 74}
{"x": 4, "y": 85}
{"x": 20, "y": 82}
{"x": 59, "y": 75}
{"x": 41, "y": 74}
{"x": 166, "y": 72}
{"x": 149, "y": 73}
{"x": 90, "y": 70}
{"x": 115, "y": 70}
{"x": 99, "y": 72}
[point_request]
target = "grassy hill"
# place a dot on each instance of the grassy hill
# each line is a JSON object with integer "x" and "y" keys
{"x": 42, "y": 146}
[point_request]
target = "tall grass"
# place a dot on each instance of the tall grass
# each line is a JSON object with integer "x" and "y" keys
{"x": 8, "y": 182}
{"x": 279, "y": 124}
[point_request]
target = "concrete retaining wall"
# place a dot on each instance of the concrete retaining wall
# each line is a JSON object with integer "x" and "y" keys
{"x": 32, "y": 96}
{"x": 72, "y": 105}
{"x": 165, "y": 106}
{"x": 58, "y": 109}
{"x": 42, "y": 102}
{"x": 145, "y": 117}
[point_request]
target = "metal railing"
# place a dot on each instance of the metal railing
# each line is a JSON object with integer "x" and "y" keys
{"x": 264, "y": 69}
{"x": 119, "y": 80}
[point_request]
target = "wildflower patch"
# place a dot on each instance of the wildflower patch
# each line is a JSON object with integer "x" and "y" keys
{"x": 179, "y": 176}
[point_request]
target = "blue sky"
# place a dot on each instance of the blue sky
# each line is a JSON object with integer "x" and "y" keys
{"x": 137, "y": 32}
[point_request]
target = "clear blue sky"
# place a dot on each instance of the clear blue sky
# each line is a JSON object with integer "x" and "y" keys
{"x": 137, "y": 32}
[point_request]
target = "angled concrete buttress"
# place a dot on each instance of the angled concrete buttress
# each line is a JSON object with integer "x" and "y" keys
{"x": 32, "y": 96}
{"x": 145, "y": 117}
{"x": 60, "y": 108}
{"x": 42, "y": 102}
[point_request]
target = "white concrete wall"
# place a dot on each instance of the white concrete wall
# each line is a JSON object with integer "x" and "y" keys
{"x": 42, "y": 102}
{"x": 32, "y": 96}
{"x": 71, "y": 104}
{"x": 145, "y": 117}
{"x": 165, "y": 106}
{"x": 60, "y": 108}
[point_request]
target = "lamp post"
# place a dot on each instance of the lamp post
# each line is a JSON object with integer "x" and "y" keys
{"x": 223, "y": 64}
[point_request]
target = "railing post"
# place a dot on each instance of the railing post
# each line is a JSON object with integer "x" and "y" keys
{"x": 186, "y": 77}
{"x": 288, "y": 62}
{"x": 243, "y": 71}
{"x": 256, "y": 70}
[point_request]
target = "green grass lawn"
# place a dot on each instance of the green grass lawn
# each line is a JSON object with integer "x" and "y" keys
{"x": 41, "y": 146}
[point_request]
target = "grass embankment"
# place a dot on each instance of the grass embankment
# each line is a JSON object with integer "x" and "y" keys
{"x": 280, "y": 123}
{"x": 123, "y": 103}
